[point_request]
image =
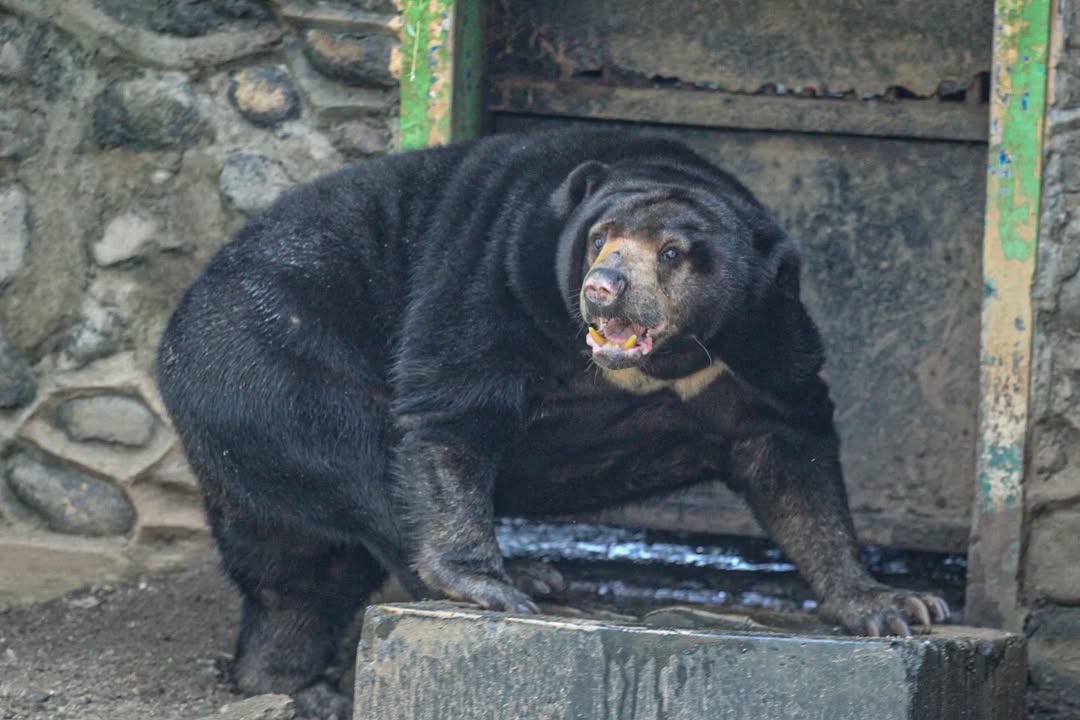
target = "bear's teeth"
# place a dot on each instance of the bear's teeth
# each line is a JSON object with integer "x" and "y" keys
{"x": 596, "y": 336}
{"x": 630, "y": 343}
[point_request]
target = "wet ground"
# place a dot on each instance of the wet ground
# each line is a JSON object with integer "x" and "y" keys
{"x": 153, "y": 647}
{"x": 643, "y": 569}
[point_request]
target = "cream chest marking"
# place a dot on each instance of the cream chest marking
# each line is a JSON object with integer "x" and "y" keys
{"x": 634, "y": 381}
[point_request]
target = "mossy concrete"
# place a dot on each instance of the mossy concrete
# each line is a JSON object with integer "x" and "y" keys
{"x": 439, "y": 660}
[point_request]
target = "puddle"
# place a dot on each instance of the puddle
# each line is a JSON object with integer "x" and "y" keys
{"x": 579, "y": 541}
{"x": 640, "y": 569}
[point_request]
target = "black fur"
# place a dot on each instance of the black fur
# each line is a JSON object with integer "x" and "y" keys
{"x": 392, "y": 354}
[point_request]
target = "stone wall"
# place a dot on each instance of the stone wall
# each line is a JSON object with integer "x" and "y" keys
{"x": 135, "y": 137}
{"x": 1051, "y": 572}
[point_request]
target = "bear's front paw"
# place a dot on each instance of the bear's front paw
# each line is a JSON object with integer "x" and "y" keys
{"x": 877, "y": 610}
{"x": 490, "y": 589}
{"x": 536, "y": 578}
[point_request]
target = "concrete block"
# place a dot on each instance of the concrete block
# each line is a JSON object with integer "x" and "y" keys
{"x": 260, "y": 707}
{"x": 431, "y": 661}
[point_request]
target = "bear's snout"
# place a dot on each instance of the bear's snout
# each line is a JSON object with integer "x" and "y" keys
{"x": 603, "y": 287}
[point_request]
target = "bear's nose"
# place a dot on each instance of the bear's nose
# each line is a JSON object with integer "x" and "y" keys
{"x": 603, "y": 286}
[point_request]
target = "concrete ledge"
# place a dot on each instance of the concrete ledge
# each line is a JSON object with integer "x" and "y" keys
{"x": 35, "y": 568}
{"x": 436, "y": 661}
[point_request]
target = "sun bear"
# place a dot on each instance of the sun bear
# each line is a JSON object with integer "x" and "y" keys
{"x": 393, "y": 354}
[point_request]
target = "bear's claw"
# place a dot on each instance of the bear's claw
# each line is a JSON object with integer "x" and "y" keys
{"x": 880, "y": 610}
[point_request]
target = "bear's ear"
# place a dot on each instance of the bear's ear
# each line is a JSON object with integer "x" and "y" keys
{"x": 578, "y": 185}
{"x": 570, "y": 254}
{"x": 785, "y": 276}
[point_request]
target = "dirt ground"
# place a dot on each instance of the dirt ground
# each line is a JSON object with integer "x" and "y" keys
{"x": 150, "y": 648}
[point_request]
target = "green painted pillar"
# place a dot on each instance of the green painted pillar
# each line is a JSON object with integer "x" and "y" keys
{"x": 442, "y": 62}
{"x": 1013, "y": 188}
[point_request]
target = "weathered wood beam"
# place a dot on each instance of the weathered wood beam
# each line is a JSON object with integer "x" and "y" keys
{"x": 923, "y": 119}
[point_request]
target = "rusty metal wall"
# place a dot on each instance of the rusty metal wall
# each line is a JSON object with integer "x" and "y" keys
{"x": 890, "y": 227}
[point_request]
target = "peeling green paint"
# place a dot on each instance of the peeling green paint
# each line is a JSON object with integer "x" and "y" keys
{"x": 442, "y": 65}
{"x": 999, "y": 478}
{"x": 417, "y": 63}
{"x": 1015, "y": 178}
{"x": 1014, "y": 182}
{"x": 1007, "y": 459}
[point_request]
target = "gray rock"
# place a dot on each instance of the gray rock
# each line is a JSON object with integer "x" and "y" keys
{"x": 39, "y": 54}
{"x": 125, "y": 237}
{"x": 329, "y": 100}
{"x": 1054, "y": 648}
{"x": 190, "y": 18}
{"x": 361, "y": 138}
{"x": 339, "y": 16}
{"x": 1067, "y": 90}
{"x": 14, "y": 231}
{"x": 259, "y": 707}
{"x": 155, "y": 112}
{"x": 12, "y": 49}
{"x": 1051, "y": 571}
{"x": 265, "y": 95}
{"x": 1068, "y": 146}
{"x": 17, "y": 386}
{"x": 139, "y": 45}
{"x": 70, "y": 501}
{"x": 20, "y": 133}
{"x": 110, "y": 418}
{"x": 251, "y": 182}
{"x": 100, "y": 332}
{"x": 1069, "y": 303}
{"x": 14, "y": 512}
{"x": 360, "y": 60}
{"x": 386, "y": 6}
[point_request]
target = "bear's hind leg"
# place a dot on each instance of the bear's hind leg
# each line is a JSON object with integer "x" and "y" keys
{"x": 300, "y": 597}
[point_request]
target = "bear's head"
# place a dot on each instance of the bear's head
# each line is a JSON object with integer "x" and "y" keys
{"x": 659, "y": 258}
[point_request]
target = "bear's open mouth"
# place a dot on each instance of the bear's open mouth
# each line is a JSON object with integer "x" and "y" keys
{"x": 618, "y": 343}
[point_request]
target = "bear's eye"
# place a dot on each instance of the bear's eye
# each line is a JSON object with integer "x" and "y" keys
{"x": 598, "y": 240}
{"x": 670, "y": 253}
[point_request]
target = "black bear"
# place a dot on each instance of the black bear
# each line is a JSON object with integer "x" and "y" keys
{"x": 524, "y": 324}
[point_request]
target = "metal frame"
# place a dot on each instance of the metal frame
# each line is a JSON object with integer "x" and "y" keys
{"x": 1013, "y": 195}
{"x": 442, "y": 101}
